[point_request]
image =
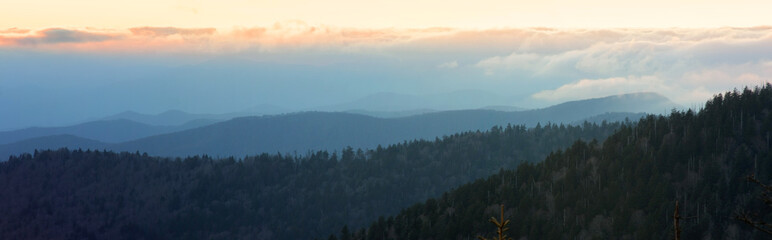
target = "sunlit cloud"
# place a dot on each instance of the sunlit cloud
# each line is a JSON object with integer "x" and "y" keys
{"x": 167, "y": 31}
{"x": 683, "y": 64}
{"x": 690, "y": 88}
{"x": 298, "y": 34}
{"x": 282, "y": 35}
{"x": 59, "y": 35}
{"x": 637, "y": 51}
{"x": 589, "y": 88}
{"x": 686, "y": 65}
{"x": 14, "y": 31}
{"x": 591, "y": 49}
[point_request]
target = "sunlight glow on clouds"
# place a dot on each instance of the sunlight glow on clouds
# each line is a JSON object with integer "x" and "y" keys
{"x": 591, "y": 88}
{"x": 585, "y": 88}
{"x": 167, "y": 31}
{"x": 291, "y": 34}
{"x": 55, "y": 36}
{"x": 81, "y": 57}
{"x": 687, "y": 65}
{"x": 533, "y": 66}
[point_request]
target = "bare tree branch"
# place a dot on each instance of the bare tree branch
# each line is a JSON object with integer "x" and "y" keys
{"x": 750, "y": 218}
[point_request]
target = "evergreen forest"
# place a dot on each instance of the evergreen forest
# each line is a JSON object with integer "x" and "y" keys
{"x": 88, "y": 194}
{"x": 623, "y": 188}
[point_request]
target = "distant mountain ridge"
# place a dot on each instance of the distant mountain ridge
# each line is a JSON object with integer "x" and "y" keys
{"x": 391, "y": 114}
{"x": 167, "y": 118}
{"x": 324, "y": 130}
{"x": 110, "y": 131}
{"x": 177, "y": 117}
{"x": 397, "y": 102}
{"x": 49, "y": 142}
{"x": 305, "y": 131}
{"x": 648, "y": 102}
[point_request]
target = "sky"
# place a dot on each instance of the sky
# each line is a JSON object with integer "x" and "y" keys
{"x": 384, "y": 14}
{"x": 68, "y": 61}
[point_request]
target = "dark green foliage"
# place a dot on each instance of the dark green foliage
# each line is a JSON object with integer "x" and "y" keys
{"x": 48, "y": 142}
{"x": 106, "y": 195}
{"x": 625, "y": 187}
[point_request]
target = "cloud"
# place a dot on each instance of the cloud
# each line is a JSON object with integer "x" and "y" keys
{"x": 532, "y": 67}
{"x": 689, "y": 88}
{"x": 448, "y": 65}
{"x": 634, "y": 57}
{"x": 529, "y": 49}
{"x": 545, "y": 59}
{"x": 301, "y": 35}
{"x": 626, "y": 51}
{"x": 729, "y": 76}
{"x": 684, "y": 64}
{"x": 14, "y": 31}
{"x": 59, "y": 35}
{"x": 249, "y": 33}
{"x": 167, "y": 31}
{"x": 590, "y": 88}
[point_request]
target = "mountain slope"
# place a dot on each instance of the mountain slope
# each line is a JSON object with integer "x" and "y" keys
{"x": 306, "y": 131}
{"x": 177, "y": 117}
{"x": 624, "y": 188}
{"x": 283, "y": 133}
{"x": 110, "y": 131}
{"x": 168, "y": 118}
{"x": 647, "y": 102}
{"x": 394, "y": 102}
{"x": 391, "y": 114}
{"x": 302, "y": 132}
{"x": 612, "y": 117}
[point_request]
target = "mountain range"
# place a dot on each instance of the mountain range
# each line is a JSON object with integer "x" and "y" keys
{"x": 396, "y": 102}
{"x": 608, "y": 181}
{"x": 307, "y": 131}
{"x": 264, "y": 196}
{"x": 109, "y": 131}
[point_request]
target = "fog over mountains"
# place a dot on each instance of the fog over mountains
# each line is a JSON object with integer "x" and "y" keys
{"x": 313, "y": 130}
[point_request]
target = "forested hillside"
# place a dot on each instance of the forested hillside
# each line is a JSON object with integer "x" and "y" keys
{"x": 623, "y": 188}
{"x": 48, "y": 142}
{"x": 105, "y": 195}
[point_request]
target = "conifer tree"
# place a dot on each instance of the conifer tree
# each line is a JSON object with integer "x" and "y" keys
{"x": 501, "y": 227}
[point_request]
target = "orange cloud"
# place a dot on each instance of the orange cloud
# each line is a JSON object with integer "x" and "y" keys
{"x": 58, "y": 35}
{"x": 167, "y": 31}
{"x": 283, "y": 35}
{"x": 249, "y": 33}
{"x": 300, "y": 34}
{"x": 14, "y": 31}
{"x": 494, "y": 43}
{"x": 594, "y": 60}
